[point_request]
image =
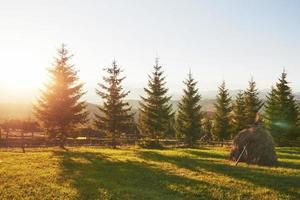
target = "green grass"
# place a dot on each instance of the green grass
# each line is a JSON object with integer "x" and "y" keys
{"x": 95, "y": 173}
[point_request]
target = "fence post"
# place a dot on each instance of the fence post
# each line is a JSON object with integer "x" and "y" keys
{"x": 22, "y": 141}
{"x": 6, "y": 138}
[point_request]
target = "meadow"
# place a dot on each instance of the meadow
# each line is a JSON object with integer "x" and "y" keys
{"x": 133, "y": 173}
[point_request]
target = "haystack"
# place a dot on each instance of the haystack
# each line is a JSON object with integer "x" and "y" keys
{"x": 258, "y": 145}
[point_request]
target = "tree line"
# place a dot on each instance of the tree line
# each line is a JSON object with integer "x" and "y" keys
{"x": 60, "y": 108}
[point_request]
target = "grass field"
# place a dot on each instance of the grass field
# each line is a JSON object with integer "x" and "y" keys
{"x": 95, "y": 173}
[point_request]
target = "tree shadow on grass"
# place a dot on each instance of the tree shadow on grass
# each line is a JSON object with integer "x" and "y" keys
{"x": 206, "y": 154}
{"x": 288, "y": 153}
{"x": 288, "y": 150}
{"x": 96, "y": 176}
{"x": 289, "y": 161}
{"x": 281, "y": 154}
{"x": 287, "y": 156}
{"x": 285, "y": 184}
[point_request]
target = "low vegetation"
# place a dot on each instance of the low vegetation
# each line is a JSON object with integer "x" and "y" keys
{"x": 131, "y": 173}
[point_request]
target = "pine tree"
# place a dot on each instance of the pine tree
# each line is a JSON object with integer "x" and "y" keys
{"x": 171, "y": 132}
{"x": 207, "y": 128}
{"x": 59, "y": 108}
{"x": 281, "y": 111}
{"x": 270, "y": 111}
{"x": 115, "y": 116}
{"x": 155, "y": 108}
{"x": 252, "y": 103}
{"x": 239, "y": 118}
{"x": 189, "y": 116}
{"x": 222, "y": 118}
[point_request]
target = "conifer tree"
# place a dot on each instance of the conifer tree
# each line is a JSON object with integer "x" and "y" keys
{"x": 171, "y": 132}
{"x": 270, "y": 110}
{"x": 155, "y": 108}
{"x": 189, "y": 116}
{"x": 239, "y": 118}
{"x": 60, "y": 108}
{"x": 252, "y": 103}
{"x": 222, "y": 118}
{"x": 282, "y": 111}
{"x": 115, "y": 116}
{"x": 207, "y": 128}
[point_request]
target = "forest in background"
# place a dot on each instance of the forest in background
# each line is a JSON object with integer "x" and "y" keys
{"x": 61, "y": 110}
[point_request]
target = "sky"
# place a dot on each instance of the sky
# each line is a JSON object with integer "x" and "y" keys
{"x": 218, "y": 40}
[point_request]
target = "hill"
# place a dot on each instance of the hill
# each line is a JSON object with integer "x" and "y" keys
{"x": 24, "y": 110}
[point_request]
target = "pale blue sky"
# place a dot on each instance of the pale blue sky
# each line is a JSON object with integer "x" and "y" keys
{"x": 229, "y": 40}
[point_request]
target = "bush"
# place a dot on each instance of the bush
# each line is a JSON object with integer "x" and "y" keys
{"x": 150, "y": 144}
{"x": 283, "y": 141}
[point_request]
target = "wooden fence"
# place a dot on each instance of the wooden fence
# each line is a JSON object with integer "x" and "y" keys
{"x": 39, "y": 139}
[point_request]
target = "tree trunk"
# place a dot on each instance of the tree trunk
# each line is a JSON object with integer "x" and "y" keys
{"x": 113, "y": 142}
{"x": 32, "y": 139}
{"x": 62, "y": 143}
{"x": 0, "y": 137}
{"x": 6, "y": 139}
{"x": 62, "y": 140}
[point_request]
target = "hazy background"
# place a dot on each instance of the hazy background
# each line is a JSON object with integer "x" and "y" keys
{"x": 229, "y": 40}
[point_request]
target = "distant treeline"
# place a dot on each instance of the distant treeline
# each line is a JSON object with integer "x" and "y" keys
{"x": 60, "y": 110}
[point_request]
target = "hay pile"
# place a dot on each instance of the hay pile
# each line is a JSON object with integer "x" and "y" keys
{"x": 260, "y": 147}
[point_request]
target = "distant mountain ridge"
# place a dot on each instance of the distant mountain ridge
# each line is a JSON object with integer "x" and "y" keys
{"x": 24, "y": 110}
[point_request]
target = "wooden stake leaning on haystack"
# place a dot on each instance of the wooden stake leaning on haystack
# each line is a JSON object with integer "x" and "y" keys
{"x": 238, "y": 160}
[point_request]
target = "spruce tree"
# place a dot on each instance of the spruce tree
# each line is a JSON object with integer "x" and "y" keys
{"x": 189, "y": 116}
{"x": 155, "y": 108}
{"x": 281, "y": 110}
{"x": 171, "y": 132}
{"x": 207, "y": 128}
{"x": 271, "y": 111}
{"x": 115, "y": 117}
{"x": 60, "y": 108}
{"x": 252, "y": 103}
{"x": 222, "y": 118}
{"x": 239, "y": 118}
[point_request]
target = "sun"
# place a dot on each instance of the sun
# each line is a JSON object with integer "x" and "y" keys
{"x": 20, "y": 79}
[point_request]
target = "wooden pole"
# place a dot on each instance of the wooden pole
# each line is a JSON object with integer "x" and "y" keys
{"x": 22, "y": 142}
{"x": 0, "y": 137}
{"x": 6, "y": 138}
{"x": 238, "y": 160}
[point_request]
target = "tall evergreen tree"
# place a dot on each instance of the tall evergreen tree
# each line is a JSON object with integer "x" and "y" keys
{"x": 207, "y": 128}
{"x": 281, "y": 110}
{"x": 271, "y": 111}
{"x": 155, "y": 108}
{"x": 252, "y": 103}
{"x": 115, "y": 116}
{"x": 239, "y": 118}
{"x": 171, "y": 132}
{"x": 59, "y": 108}
{"x": 189, "y": 116}
{"x": 222, "y": 118}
